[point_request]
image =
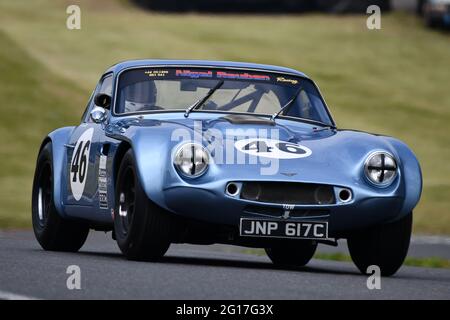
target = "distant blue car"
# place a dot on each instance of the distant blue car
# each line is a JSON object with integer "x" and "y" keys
{"x": 436, "y": 13}
{"x": 206, "y": 152}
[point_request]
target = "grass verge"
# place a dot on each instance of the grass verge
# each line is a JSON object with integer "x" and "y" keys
{"x": 430, "y": 262}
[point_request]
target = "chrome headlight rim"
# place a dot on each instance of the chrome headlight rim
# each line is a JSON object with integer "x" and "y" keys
{"x": 177, "y": 155}
{"x": 386, "y": 183}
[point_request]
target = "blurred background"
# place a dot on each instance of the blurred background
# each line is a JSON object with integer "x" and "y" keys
{"x": 394, "y": 81}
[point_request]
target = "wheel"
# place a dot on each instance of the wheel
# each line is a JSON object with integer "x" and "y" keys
{"x": 142, "y": 229}
{"x": 51, "y": 231}
{"x": 296, "y": 253}
{"x": 385, "y": 246}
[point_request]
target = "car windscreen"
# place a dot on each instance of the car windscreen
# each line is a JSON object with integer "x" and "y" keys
{"x": 149, "y": 90}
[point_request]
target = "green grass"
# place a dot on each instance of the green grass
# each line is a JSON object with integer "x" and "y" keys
{"x": 394, "y": 81}
{"x": 37, "y": 102}
{"x": 429, "y": 262}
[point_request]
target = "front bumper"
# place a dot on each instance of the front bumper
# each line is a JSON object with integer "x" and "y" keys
{"x": 213, "y": 205}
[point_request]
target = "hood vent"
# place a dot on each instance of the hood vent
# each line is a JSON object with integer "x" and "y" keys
{"x": 247, "y": 119}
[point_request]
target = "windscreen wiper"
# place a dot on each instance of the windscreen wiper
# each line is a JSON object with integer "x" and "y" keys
{"x": 201, "y": 101}
{"x": 287, "y": 105}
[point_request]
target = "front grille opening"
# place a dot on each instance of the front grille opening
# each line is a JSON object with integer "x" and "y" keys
{"x": 279, "y": 212}
{"x": 288, "y": 193}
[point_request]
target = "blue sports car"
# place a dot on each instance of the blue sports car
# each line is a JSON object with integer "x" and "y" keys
{"x": 174, "y": 151}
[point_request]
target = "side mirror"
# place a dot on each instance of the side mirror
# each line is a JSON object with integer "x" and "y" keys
{"x": 102, "y": 100}
{"x": 98, "y": 114}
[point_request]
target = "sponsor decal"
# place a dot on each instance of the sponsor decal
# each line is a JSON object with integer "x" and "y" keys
{"x": 157, "y": 73}
{"x": 102, "y": 183}
{"x": 270, "y": 148}
{"x": 283, "y": 79}
{"x": 79, "y": 164}
{"x": 193, "y": 74}
{"x": 242, "y": 76}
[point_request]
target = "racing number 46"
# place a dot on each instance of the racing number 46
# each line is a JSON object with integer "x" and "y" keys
{"x": 262, "y": 146}
{"x": 79, "y": 163}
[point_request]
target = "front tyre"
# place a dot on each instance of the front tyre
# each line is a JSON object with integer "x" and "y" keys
{"x": 296, "y": 253}
{"x": 142, "y": 229}
{"x": 385, "y": 246}
{"x": 51, "y": 231}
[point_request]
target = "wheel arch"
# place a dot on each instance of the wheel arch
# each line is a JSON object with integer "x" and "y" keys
{"x": 411, "y": 174}
{"x": 58, "y": 138}
{"x": 44, "y": 142}
{"x": 152, "y": 153}
{"x": 123, "y": 148}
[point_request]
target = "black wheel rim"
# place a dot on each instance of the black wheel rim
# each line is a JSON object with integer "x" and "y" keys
{"x": 44, "y": 194}
{"x": 127, "y": 199}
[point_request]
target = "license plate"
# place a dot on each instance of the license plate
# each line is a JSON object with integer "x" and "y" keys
{"x": 283, "y": 229}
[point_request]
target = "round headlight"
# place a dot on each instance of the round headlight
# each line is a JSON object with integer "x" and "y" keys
{"x": 380, "y": 168}
{"x": 191, "y": 160}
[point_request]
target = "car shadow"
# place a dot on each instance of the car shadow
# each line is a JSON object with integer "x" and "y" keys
{"x": 244, "y": 264}
{"x": 225, "y": 263}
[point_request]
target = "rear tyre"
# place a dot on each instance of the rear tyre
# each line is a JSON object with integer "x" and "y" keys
{"x": 292, "y": 254}
{"x": 51, "y": 231}
{"x": 385, "y": 246}
{"x": 142, "y": 229}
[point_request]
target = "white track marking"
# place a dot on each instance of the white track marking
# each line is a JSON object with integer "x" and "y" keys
{"x": 12, "y": 296}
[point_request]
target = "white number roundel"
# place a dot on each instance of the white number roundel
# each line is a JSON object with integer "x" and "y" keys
{"x": 270, "y": 148}
{"x": 80, "y": 163}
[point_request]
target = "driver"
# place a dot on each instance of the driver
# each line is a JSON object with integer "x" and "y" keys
{"x": 141, "y": 96}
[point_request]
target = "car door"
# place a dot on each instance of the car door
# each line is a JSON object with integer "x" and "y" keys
{"x": 83, "y": 155}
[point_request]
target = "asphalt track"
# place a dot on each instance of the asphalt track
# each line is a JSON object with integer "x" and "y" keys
{"x": 195, "y": 272}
